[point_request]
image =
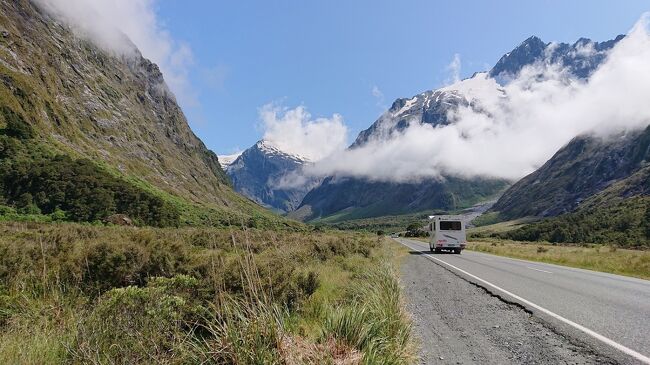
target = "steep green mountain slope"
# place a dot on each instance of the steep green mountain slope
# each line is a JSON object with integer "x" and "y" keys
{"x": 592, "y": 190}
{"x": 607, "y": 217}
{"x": 581, "y": 169}
{"x": 61, "y": 95}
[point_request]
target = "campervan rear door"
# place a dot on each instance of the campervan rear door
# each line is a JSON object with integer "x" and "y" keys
{"x": 451, "y": 233}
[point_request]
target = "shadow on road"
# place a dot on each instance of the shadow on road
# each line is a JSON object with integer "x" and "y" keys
{"x": 417, "y": 253}
{"x": 426, "y": 252}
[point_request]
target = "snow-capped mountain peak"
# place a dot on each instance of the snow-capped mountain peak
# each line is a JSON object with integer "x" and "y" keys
{"x": 272, "y": 149}
{"x": 227, "y": 160}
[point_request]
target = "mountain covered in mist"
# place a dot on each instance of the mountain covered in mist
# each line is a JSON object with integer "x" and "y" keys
{"x": 258, "y": 172}
{"x": 583, "y": 168}
{"x": 88, "y": 132}
{"x": 432, "y": 107}
{"x": 592, "y": 190}
{"x": 352, "y": 197}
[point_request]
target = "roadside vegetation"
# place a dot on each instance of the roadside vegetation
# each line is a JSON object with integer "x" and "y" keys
{"x": 598, "y": 257}
{"x": 72, "y": 293}
{"x": 620, "y": 222}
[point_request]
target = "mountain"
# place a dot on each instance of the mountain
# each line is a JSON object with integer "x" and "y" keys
{"x": 584, "y": 167}
{"x": 258, "y": 172}
{"x": 593, "y": 190}
{"x": 351, "y": 198}
{"x": 344, "y": 197}
{"x": 580, "y": 59}
{"x": 100, "y": 121}
{"x": 227, "y": 160}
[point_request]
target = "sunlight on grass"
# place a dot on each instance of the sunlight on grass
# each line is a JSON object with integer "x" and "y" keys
{"x": 595, "y": 257}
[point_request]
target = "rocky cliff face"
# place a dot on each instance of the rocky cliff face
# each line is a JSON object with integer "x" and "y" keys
{"x": 114, "y": 109}
{"x": 258, "y": 174}
{"x": 580, "y": 58}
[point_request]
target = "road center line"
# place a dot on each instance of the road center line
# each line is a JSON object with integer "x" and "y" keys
{"x": 577, "y": 326}
{"x": 532, "y": 268}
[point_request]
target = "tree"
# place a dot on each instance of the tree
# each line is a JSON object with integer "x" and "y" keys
{"x": 646, "y": 221}
{"x": 413, "y": 226}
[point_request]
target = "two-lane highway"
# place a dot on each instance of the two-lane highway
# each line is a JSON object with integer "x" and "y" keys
{"x": 612, "y": 306}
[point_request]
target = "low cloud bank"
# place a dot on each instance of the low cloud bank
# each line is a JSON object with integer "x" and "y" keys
{"x": 518, "y": 127}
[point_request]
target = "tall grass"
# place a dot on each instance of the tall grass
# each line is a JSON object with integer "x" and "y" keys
{"x": 113, "y": 295}
{"x": 374, "y": 320}
{"x": 596, "y": 257}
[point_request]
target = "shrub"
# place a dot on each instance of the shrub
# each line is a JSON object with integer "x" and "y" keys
{"x": 140, "y": 325}
{"x": 16, "y": 127}
{"x": 5, "y": 210}
{"x": 111, "y": 265}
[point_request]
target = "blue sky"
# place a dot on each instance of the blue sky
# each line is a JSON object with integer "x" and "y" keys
{"x": 329, "y": 55}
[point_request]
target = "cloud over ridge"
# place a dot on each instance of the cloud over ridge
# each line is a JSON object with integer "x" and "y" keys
{"x": 517, "y": 127}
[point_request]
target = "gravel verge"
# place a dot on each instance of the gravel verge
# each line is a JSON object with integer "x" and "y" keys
{"x": 458, "y": 322}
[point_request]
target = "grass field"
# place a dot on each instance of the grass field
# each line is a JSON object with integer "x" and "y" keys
{"x": 484, "y": 230}
{"x": 72, "y": 293}
{"x": 610, "y": 259}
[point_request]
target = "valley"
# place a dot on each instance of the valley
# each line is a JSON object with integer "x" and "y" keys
{"x": 125, "y": 239}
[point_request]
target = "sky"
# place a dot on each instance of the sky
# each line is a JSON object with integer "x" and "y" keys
{"x": 349, "y": 59}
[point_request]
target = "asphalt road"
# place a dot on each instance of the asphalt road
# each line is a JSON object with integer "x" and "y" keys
{"x": 617, "y": 308}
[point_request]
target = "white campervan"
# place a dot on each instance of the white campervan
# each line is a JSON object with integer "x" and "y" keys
{"x": 447, "y": 233}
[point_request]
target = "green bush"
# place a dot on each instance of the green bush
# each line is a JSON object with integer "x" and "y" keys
{"x": 5, "y": 210}
{"x": 140, "y": 325}
{"x": 16, "y": 126}
{"x": 624, "y": 222}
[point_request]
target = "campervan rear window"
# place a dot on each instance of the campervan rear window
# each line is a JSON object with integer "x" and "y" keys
{"x": 450, "y": 225}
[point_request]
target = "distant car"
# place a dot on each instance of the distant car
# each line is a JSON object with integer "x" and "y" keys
{"x": 447, "y": 233}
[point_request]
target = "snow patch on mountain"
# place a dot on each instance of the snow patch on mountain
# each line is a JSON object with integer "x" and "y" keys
{"x": 227, "y": 160}
{"x": 271, "y": 149}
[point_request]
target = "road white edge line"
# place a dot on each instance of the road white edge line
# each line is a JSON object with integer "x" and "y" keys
{"x": 584, "y": 329}
{"x": 532, "y": 268}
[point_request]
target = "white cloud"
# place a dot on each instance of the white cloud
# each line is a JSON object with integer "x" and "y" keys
{"x": 518, "y": 126}
{"x": 106, "y": 22}
{"x": 453, "y": 68}
{"x": 294, "y": 131}
{"x": 379, "y": 97}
